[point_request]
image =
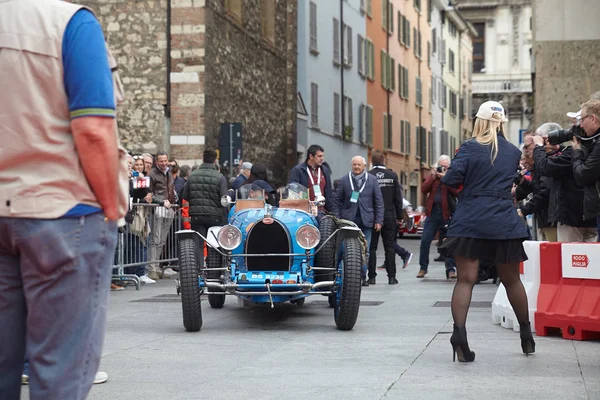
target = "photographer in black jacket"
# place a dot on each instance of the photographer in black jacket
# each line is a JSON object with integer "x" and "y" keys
{"x": 586, "y": 158}
{"x": 540, "y": 189}
{"x": 392, "y": 201}
{"x": 566, "y": 195}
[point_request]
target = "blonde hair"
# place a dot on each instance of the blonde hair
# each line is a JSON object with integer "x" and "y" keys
{"x": 486, "y": 133}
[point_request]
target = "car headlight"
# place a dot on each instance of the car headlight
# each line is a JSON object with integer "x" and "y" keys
{"x": 229, "y": 237}
{"x": 308, "y": 237}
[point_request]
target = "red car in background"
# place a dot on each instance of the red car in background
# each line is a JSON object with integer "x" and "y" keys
{"x": 413, "y": 220}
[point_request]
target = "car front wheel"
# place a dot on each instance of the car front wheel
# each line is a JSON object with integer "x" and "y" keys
{"x": 347, "y": 297}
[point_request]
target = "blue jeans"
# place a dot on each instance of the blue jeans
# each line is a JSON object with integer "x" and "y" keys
{"x": 368, "y": 232}
{"x": 433, "y": 223}
{"x": 54, "y": 287}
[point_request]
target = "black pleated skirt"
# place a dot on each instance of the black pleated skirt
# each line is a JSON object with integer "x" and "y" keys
{"x": 497, "y": 251}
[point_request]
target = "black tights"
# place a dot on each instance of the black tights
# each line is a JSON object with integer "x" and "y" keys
{"x": 467, "y": 270}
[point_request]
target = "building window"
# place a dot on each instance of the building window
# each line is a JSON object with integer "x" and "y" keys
{"x": 453, "y": 103}
{"x": 402, "y": 82}
{"x": 362, "y": 55}
{"x": 369, "y": 9}
{"x": 419, "y": 92}
{"x": 388, "y": 73}
{"x": 403, "y": 30}
{"x": 451, "y": 61}
{"x": 402, "y": 138}
{"x": 444, "y": 142}
{"x": 362, "y": 123}
{"x": 444, "y": 96}
{"x": 336, "y": 41}
{"x": 387, "y": 128}
{"x": 336, "y": 113}
{"x": 479, "y": 48}
{"x": 370, "y": 56}
{"x": 432, "y": 155}
{"x": 369, "y": 125}
{"x": 314, "y": 105}
{"x": 234, "y": 8}
{"x": 313, "y": 27}
{"x": 268, "y": 20}
{"x": 452, "y": 29}
{"x": 418, "y": 5}
{"x": 348, "y": 48}
{"x": 348, "y": 115}
{"x": 387, "y": 16}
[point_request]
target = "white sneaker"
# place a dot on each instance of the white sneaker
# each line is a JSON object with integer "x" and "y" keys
{"x": 100, "y": 377}
{"x": 168, "y": 273}
{"x": 146, "y": 279}
{"x": 24, "y": 379}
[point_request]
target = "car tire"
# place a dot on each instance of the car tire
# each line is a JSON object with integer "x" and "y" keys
{"x": 347, "y": 300}
{"x": 326, "y": 256}
{"x": 214, "y": 260}
{"x": 188, "y": 279}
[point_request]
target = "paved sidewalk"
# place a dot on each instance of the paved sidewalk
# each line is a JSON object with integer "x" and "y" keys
{"x": 398, "y": 349}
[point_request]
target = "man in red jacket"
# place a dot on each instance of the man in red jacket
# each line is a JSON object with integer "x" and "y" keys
{"x": 441, "y": 203}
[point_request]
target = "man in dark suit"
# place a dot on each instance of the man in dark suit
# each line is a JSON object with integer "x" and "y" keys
{"x": 358, "y": 198}
{"x": 315, "y": 175}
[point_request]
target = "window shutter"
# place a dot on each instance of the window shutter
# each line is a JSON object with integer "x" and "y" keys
{"x": 399, "y": 26}
{"x": 361, "y": 124}
{"x": 389, "y": 131}
{"x": 407, "y": 24}
{"x": 393, "y": 74}
{"x": 360, "y": 51}
{"x": 349, "y": 46}
{"x": 336, "y": 40}
{"x": 406, "y": 83}
{"x": 369, "y": 8}
{"x": 391, "y": 18}
{"x": 370, "y": 125}
{"x": 384, "y": 14}
{"x": 350, "y": 114}
{"x": 385, "y": 131}
{"x": 383, "y": 68}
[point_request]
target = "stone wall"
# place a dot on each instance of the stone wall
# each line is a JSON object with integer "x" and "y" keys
{"x": 565, "y": 78}
{"x": 136, "y": 33}
{"x": 248, "y": 80}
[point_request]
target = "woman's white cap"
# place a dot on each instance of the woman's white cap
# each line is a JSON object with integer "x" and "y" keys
{"x": 492, "y": 111}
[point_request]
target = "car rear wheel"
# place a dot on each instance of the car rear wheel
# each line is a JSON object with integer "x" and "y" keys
{"x": 347, "y": 297}
{"x": 190, "y": 292}
{"x": 214, "y": 260}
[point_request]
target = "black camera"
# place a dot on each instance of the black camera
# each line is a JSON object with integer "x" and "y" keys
{"x": 519, "y": 177}
{"x": 564, "y": 135}
{"x": 440, "y": 169}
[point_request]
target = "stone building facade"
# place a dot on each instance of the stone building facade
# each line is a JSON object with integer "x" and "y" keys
{"x": 190, "y": 65}
{"x": 502, "y": 58}
{"x": 566, "y": 42}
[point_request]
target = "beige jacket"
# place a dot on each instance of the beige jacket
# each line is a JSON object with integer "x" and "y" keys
{"x": 40, "y": 171}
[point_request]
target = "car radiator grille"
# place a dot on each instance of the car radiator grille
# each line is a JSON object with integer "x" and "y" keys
{"x": 268, "y": 239}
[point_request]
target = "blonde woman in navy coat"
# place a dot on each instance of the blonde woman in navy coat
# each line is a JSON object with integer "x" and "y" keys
{"x": 485, "y": 224}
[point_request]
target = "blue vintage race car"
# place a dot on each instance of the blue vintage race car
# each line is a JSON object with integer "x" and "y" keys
{"x": 272, "y": 255}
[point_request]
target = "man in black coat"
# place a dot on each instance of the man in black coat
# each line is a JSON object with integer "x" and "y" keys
{"x": 586, "y": 158}
{"x": 566, "y": 195}
{"x": 392, "y": 201}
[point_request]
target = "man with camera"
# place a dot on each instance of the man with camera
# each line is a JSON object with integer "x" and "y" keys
{"x": 586, "y": 158}
{"x": 566, "y": 196}
{"x": 441, "y": 203}
{"x": 539, "y": 187}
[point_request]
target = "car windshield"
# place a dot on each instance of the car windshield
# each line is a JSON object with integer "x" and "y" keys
{"x": 250, "y": 191}
{"x": 294, "y": 191}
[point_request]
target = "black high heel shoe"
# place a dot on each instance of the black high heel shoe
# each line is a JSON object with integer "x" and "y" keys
{"x": 460, "y": 346}
{"x": 527, "y": 342}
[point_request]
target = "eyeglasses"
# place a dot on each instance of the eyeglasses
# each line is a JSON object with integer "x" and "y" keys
{"x": 583, "y": 117}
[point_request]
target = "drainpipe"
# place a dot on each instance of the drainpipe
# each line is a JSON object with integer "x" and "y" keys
{"x": 387, "y": 49}
{"x": 343, "y": 113}
{"x": 167, "y": 132}
{"x": 420, "y": 60}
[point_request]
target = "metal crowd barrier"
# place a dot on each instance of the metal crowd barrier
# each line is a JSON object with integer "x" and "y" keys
{"x": 132, "y": 255}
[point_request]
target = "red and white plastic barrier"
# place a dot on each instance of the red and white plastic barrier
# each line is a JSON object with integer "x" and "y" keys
{"x": 502, "y": 312}
{"x": 562, "y": 281}
{"x": 569, "y": 295}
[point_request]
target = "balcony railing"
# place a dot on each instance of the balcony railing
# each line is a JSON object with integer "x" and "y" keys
{"x": 502, "y": 86}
